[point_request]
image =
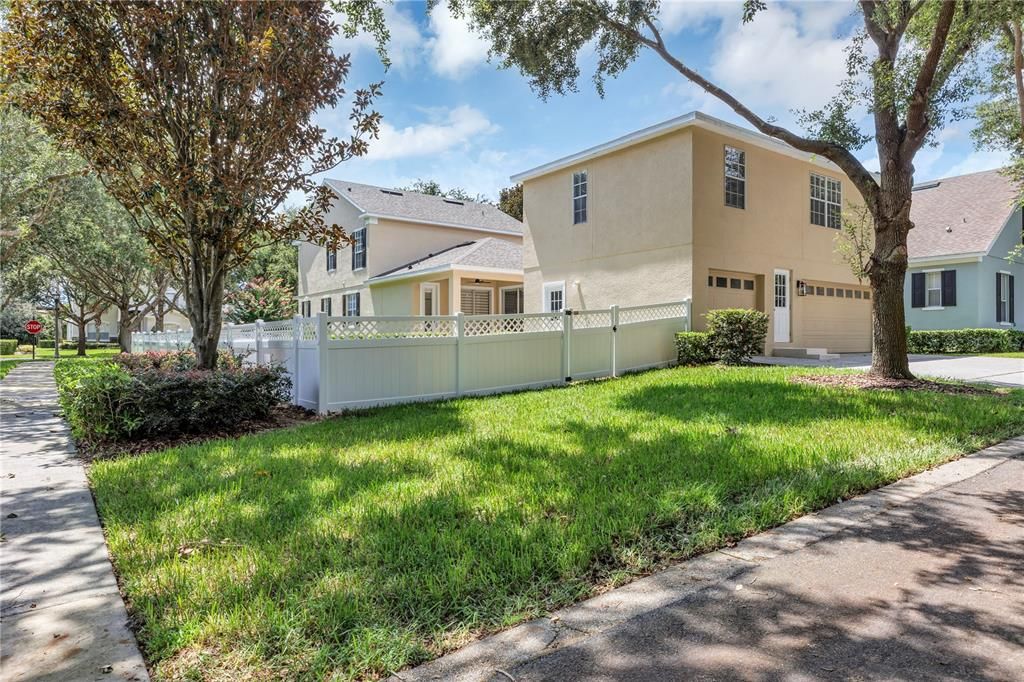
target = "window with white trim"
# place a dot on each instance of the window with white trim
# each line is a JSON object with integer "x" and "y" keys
{"x": 735, "y": 177}
{"x": 332, "y": 260}
{"x": 579, "y": 197}
{"x": 554, "y": 297}
{"x": 325, "y": 305}
{"x": 826, "y": 201}
{"x": 306, "y": 308}
{"x": 351, "y": 304}
{"x": 933, "y": 289}
{"x": 1003, "y": 302}
{"x": 429, "y": 295}
{"x": 359, "y": 248}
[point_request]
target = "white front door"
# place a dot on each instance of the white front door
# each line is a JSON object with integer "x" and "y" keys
{"x": 781, "y": 290}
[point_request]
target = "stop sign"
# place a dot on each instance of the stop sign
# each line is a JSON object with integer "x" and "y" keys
{"x": 33, "y": 326}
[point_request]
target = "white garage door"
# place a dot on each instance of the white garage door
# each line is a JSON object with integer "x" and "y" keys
{"x": 836, "y": 317}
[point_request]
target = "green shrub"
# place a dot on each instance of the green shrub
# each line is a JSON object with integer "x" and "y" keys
{"x": 1016, "y": 339}
{"x": 694, "y": 348}
{"x": 8, "y": 346}
{"x": 73, "y": 345}
{"x": 153, "y": 397}
{"x": 963, "y": 341}
{"x": 736, "y": 334}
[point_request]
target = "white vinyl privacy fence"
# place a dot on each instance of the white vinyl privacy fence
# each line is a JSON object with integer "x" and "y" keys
{"x": 339, "y": 363}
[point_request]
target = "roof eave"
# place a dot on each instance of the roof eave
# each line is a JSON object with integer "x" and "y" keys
{"x": 448, "y": 267}
{"x": 694, "y": 118}
{"x": 437, "y": 223}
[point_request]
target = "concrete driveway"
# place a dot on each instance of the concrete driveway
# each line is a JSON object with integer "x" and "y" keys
{"x": 998, "y": 371}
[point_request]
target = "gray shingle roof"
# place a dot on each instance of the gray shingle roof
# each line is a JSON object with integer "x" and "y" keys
{"x": 963, "y": 214}
{"x": 424, "y": 207}
{"x": 486, "y": 253}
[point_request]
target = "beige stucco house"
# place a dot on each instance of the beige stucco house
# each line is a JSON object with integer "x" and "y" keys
{"x": 697, "y": 208}
{"x": 105, "y": 329}
{"x": 414, "y": 254}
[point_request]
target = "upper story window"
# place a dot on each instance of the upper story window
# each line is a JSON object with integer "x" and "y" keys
{"x": 332, "y": 260}
{"x": 735, "y": 177}
{"x": 359, "y": 249}
{"x": 826, "y": 201}
{"x": 579, "y": 197}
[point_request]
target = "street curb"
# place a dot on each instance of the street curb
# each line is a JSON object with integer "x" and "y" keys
{"x": 491, "y": 656}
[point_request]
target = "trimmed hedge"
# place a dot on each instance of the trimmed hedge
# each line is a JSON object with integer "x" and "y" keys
{"x": 965, "y": 341}
{"x": 8, "y": 346}
{"x": 733, "y": 336}
{"x": 694, "y": 348}
{"x": 161, "y": 395}
{"x": 736, "y": 334}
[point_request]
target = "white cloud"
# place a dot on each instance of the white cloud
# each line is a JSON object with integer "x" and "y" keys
{"x": 978, "y": 161}
{"x": 781, "y": 59}
{"x": 677, "y": 15}
{"x": 447, "y": 129}
{"x": 454, "y": 49}
{"x": 405, "y": 48}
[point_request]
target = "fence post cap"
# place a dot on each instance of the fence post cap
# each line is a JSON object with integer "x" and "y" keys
{"x": 258, "y": 321}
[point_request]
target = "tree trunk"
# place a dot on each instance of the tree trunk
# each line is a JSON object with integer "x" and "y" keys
{"x": 124, "y": 330}
{"x": 205, "y": 311}
{"x": 887, "y": 270}
{"x": 81, "y": 336}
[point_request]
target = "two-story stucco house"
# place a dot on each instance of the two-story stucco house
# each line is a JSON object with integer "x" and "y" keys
{"x": 414, "y": 254}
{"x": 697, "y": 208}
{"x": 960, "y": 272}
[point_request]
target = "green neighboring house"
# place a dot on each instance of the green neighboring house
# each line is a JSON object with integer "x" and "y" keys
{"x": 960, "y": 274}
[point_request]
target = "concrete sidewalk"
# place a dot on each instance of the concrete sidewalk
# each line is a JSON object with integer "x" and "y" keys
{"x": 921, "y": 580}
{"x": 61, "y": 615}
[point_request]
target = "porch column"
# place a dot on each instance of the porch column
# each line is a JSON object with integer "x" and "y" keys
{"x": 454, "y": 293}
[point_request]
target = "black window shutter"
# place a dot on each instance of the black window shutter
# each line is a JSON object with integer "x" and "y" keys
{"x": 353, "y": 248}
{"x": 1010, "y": 297}
{"x": 999, "y": 297}
{"x": 358, "y": 302}
{"x": 948, "y": 287}
{"x": 917, "y": 290}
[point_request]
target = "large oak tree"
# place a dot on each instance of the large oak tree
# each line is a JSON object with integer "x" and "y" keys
{"x": 909, "y": 79}
{"x": 198, "y": 117}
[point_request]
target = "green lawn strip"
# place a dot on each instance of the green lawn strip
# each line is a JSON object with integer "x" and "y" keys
{"x": 7, "y": 364}
{"x": 1019, "y": 354}
{"x": 358, "y": 545}
{"x": 47, "y": 354}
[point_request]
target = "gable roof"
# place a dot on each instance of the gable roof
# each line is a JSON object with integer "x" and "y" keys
{"x": 488, "y": 253}
{"x": 959, "y": 215}
{"x": 693, "y": 119}
{"x": 383, "y": 202}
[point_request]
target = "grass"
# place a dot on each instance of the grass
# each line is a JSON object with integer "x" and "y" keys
{"x": 358, "y": 545}
{"x": 1018, "y": 354}
{"x": 47, "y": 354}
{"x": 7, "y": 364}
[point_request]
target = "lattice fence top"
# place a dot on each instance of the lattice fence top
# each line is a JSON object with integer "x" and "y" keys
{"x": 358, "y": 328}
{"x": 651, "y": 313}
{"x": 280, "y": 330}
{"x": 307, "y": 329}
{"x": 591, "y": 319}
{"x": 489, "y": 325}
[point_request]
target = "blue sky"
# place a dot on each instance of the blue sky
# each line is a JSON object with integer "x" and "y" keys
{"x": 451, "y": 116}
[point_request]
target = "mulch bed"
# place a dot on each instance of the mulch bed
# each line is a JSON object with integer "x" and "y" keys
{"x": 870, "y": 382}
{"x": 281, "y": 417}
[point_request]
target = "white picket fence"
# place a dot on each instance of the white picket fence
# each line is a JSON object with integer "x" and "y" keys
{"x": 340, "y": 363}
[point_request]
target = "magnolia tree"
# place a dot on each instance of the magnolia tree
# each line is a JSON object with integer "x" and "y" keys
{"x": 198, "y": 118}
{"x": 907, "y": 68}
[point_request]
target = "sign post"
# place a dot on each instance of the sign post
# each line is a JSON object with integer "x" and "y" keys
{"x": 33, "y": 327}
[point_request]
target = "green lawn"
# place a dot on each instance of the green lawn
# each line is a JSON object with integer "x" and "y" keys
{"x": 7, "y": 364}
{"x": 1019, "y": 354}
{"x": 47, "y": 354}
{"x": 362, "y": 544}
